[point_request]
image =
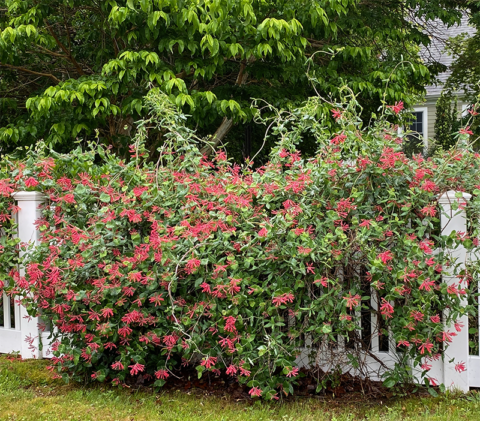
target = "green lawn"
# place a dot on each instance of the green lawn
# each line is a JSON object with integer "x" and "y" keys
{"x": 27, "y": 392}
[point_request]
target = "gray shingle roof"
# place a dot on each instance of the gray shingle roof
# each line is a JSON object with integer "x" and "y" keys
{"x": 436, "y": 51}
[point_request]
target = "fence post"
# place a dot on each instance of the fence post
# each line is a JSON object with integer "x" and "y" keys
{"x": 455, "y": 220}
{"x": 28, "y": 202}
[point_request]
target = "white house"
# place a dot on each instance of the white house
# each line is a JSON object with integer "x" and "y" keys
{"x": 425, "y": 113}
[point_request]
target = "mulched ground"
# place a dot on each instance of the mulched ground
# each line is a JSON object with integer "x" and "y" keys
{"x": 347, "y": 387}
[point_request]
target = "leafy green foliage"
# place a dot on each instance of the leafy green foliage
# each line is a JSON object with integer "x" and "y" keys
{"x": 146, "y": 266}
{"x": 70, "y": 68}
{"x": 449, "y": 121}
{"x": 465, "y": 70}
{"x": 445, "y": 119}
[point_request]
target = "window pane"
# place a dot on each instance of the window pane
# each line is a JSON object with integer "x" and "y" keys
{"x": 419, "y": 116}
{"x": 414, "y": 141}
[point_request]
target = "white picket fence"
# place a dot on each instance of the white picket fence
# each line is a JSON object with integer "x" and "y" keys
{"x": 20, "y": 333}
{"x": 382, "y": 355}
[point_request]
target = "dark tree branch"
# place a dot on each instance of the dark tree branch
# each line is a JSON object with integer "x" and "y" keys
{"x": 23, "y": 69}
{"x": 64, "y": 49}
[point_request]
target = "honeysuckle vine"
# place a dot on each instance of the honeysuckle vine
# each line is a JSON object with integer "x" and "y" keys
{"x": 144, "y": 267}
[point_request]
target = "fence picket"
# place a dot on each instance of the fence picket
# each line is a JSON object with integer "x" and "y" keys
{"x": 29, "y": 212}
{"x": 25, "y": 335}
{"x": 455, "y": 220}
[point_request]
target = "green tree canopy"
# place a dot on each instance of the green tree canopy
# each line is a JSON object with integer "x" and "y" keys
{"x": 465, "y": 49}
{"x": 69, "y": 68}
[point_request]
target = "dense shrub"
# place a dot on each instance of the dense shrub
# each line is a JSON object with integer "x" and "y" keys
{"x": 144, "y": 266}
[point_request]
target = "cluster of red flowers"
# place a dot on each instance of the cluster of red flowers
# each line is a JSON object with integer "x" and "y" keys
{"x": 143, "y": 269}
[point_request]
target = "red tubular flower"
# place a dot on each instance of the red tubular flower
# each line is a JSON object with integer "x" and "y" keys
{"x": 425, "y": 246}
{"x": 446, "y": 336}
{"x": 136, "y": 368}
{"x": 68, "y": 198}
{"x": 209, "y": 362}
{"x": 352, "y": 301}
{"x": 338, "y": 139}
{"x": 397, "y": 107}
{"x": 138, "y": 191}
{"x": 283, "y": 299}
{"x": 234, "y": 288}
{"x": 255, "y": 391}
{"x": 263, "y": 232}
{"x": 304, "y": 250}
{"x": 6, "y": 188}
{"x": 293, "y": 372}
{"x": 192, "y": 266}
{"x": 124, "y": 331}
{"x": 244, "y": 372}
{"x": 385, "y": 257}
{"x": 221, "y": 156}
{"x": 429, "y": 211}
{"x": 427, "y": 285}
{"x": 162, "y": 374}
{"x": 230, "y": 324}
{"x": 231, "y": 370}
{"x": 205, "y": 288}
{"x": 466, "y": 130}
{"x": 107, "y": 312}
{"x": 417, "y": 315}
{"x": 31, "y": 182}
{"x": 426, "y": 347}
{"x": 337, "y": 114}
{"x": 386, "y": 309}
{"x": 323, "y": 281}
{"x": 156, "y": 299}
{"x": 429, "y": 186}
{"x": 117, "y": 365}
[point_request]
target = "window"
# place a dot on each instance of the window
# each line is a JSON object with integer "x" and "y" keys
{"x": 417, "y": 139}
{"x": 417, "y": 124}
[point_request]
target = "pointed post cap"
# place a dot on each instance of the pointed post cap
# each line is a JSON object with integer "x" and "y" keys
{"x": 449, "y": 197}
{"x": 31, "y": 196}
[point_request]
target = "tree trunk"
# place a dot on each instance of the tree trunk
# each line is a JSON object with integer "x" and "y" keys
{"x": 227, "y": 123}
{"x": 222, "y": 131}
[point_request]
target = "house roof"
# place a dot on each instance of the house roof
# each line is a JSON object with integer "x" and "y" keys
{"x": 439, "y": 34}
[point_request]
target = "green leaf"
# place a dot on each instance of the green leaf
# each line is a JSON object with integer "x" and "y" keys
{"x": 104, "y": 197}
{"x": 389, "y": 383}
{"x": 200, "y": 369}
{"x": 262, "y": 350}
